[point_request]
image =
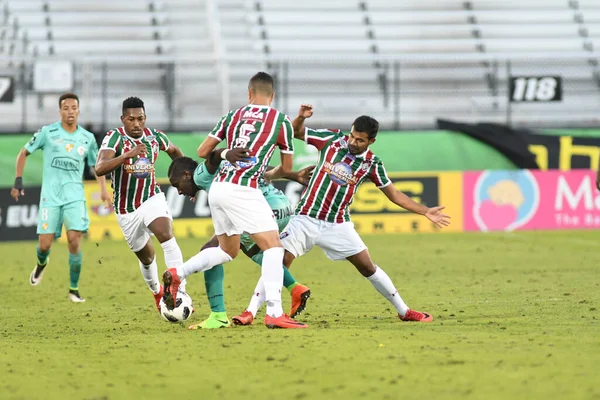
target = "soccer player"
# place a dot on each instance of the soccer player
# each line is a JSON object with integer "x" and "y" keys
{"x": 129, "y": 153}
{"x": 322, "y": 217}
{"x": 236, "y": 203}
{"x": 189, "y": 177}
{"x": 65, "y": 147}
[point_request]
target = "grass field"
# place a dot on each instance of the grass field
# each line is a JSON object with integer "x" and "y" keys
{"x": 516, "y": 317}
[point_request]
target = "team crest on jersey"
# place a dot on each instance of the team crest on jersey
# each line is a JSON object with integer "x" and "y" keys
{"x": 340, "y": 173}
{"x": 69, "y": 146}
{"x": 81, "y": 150}
{"x": 45, "y": 226}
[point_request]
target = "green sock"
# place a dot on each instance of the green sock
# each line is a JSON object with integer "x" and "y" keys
{"x": 288, "y": 279}
{"x": 213, "y": 282}
{"x": 75, "y": 270}
{"x": 42, "y": 256}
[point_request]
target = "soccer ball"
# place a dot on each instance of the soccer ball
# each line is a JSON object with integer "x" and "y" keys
{"x": 182, "y": 311}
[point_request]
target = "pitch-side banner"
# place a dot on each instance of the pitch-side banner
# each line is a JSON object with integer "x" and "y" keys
{"x": 530, "y": 200}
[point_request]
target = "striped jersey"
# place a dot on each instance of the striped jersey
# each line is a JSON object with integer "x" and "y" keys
{"x": 260, "y": 129}
{"x": 134, "y": 182}
{"x": 337, "y": 176}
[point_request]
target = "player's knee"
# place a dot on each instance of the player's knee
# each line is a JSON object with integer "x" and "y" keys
{"x": 366, "y": 269}
{"x": 45, "y": 245}
{"x": 146, "y": 259}
{"x": 233, "y": 252}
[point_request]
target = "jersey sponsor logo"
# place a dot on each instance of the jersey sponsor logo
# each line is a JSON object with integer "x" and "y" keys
{"x": 228, "y": 167}
{"x": 65, "y": 163}
{"x": 141, "y": 168}
{"x": 249, "y": 114}
{"x": 81, "y": 150}
{"x": 340, "y": 173}
{"x": 283, "y": 213}
{"x": 69, "y": 146}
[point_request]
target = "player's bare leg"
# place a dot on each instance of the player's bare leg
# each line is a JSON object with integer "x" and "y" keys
{"x": 43, "y": 255}
{"x": 75, "y": 261}
{"x": 384, "y": 285}
{"x": 149, "y": 270}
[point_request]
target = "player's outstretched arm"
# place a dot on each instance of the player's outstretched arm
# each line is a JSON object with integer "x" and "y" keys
{"x": 104, "y": 196}
{"x": 306, "y": 111}
{"x": 107, "y": 161}
{"x": 434, "y": 214}
{"x": 17, "y": 189}
{"x": 207, "y": 147}
{"x": 174, "y": 151}
{"x": 283, "y": 170}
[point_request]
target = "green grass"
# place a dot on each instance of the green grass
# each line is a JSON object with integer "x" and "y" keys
{"x": 516, "y": 317}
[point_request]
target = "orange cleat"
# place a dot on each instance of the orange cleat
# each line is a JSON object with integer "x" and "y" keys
{"x": 416, "y": 316}
{"x": 245, "y": 318}
{"x": 283, "y": 322}
{"x": 171, "y": 284}
{"x": 157, "y": 297}
{"x": 300, "y": 295}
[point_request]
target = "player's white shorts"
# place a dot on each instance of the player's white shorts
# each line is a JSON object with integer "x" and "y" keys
{"x": 338, "y": 240}
{"x": 236, "y": 209}
{"x": 135, "y": 225}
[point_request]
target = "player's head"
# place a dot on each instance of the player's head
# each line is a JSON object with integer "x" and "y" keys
{"x": 68, "y": 105}
{"x": 261, "y": 89}
{"x": 181, "y": 176}
{"x": 133, "y": 116}
{"x": 363, "y": 134}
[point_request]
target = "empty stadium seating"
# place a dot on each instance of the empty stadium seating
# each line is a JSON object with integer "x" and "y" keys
{"x": 400, "y": 61}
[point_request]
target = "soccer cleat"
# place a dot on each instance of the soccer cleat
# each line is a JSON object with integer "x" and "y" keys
{"x": 300, "y": 295}
{"x": 157, "y": 297}
{"x": 75, "y": 297}
{"x": 171, "y": 284}
{"x": 215, "y": 320}
{"x": 283, "y": 322}
{"x": 416, "y": 316}
{"x": 37, "y": 274}
{"x": 244, "y": 318}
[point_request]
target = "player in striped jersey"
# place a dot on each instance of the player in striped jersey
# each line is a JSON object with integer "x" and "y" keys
{"x": 237, "y": 205}
{"x": 322, "y": 216}
{"x": 189, "y": 177}
{"x": 129, "y": 154}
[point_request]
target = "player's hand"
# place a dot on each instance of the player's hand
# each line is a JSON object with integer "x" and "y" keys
{"x": 237, "y": 154}
{"x": 138, "y": 150}
{"x": 435, "y": 215}
{"x": 306, "y": 111}
{"x": 305, "y": 174}
{"x": 106, "y": 198}
{"x": 17, "y": 189}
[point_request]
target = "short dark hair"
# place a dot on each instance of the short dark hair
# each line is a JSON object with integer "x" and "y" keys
{"x": 132, "y": 102}
{"x": 180, "y": 165}
{"x": 262, "y": 83}
{"x": 67, "y": 96}
{"x": 366, "y": 124}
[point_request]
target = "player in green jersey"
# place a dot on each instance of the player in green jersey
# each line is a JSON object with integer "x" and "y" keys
{"x": 189, "y": 177}
{"x": 65, "y": 147}
{"x": 129, "y": 154}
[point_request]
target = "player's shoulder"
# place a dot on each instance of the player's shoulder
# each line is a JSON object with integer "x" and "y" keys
{"x": 51, "y": 128}
{"x": 114, "y": 131}
{"x": 373, "y": 157}
{"x": 156, "y": 132}
{"x": 86, "y": 133}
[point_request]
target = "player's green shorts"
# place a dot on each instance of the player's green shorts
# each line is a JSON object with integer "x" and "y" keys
{"x": 74, "y": 215}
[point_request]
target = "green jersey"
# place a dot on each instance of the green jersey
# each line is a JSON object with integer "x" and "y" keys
{"x": 277, "y": 200}
{"x": 65, "y": 156}
{"x": 134, "y": 181}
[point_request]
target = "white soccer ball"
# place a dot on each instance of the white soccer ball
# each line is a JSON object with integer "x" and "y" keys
{"x": 184, "y": 308}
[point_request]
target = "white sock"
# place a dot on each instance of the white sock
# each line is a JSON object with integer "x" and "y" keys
{"x": 150, "y": 274}
{"x": 202, "y": 261}
{"x": 272, "y": 276}
{"x": 258, "y": 298}
{"x": 385, "y": 286}
{"x": 173, "y": 257}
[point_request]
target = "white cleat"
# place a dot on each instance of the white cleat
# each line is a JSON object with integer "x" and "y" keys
{"x": 75, "y": 297}
{"x": 34, "y": 279}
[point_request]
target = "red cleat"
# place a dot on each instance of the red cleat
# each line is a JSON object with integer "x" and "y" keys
{"x": 283, "y": 322}
{"x": 171, "y": 284}
{"x": 245, "y": 318}
{"x": 416, "y": 316}
{"x": 157, "y": 298}
{"x": 300, "y": 295}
